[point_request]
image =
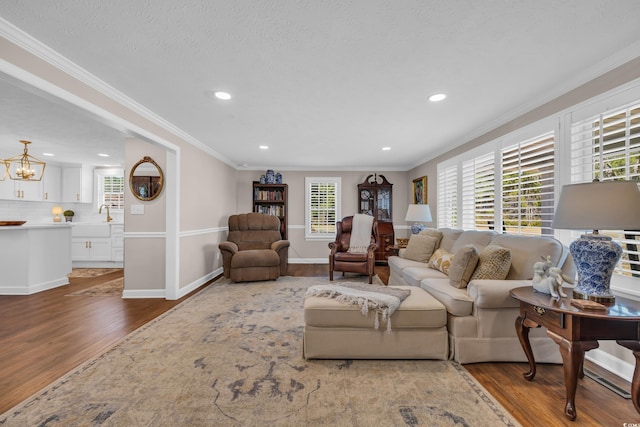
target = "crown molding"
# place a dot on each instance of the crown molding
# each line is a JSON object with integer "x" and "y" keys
{"x": 30, "y": 44}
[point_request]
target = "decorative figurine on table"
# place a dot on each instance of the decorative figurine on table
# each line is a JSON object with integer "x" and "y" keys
{"x": 548, "y": 279}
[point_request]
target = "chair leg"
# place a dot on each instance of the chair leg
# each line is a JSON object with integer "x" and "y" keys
{"x": 370, "y": 279}
{"x": 331, "y": 275}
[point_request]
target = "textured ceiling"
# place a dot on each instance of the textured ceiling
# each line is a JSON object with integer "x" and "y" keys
{"x": 327, "y": 84}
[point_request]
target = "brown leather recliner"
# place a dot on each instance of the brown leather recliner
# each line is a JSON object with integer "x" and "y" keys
{"x": 341, "y": 260}
{"x": 254, "y": 249}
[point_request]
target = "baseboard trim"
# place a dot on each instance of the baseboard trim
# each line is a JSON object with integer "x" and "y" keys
{"x": 611, "y": 363}
{"x": 309, "y": 260}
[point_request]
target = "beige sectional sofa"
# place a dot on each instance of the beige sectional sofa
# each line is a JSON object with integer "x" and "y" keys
{"x": 481, "y": 316}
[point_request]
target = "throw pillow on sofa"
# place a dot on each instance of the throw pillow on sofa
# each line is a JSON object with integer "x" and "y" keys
{"x": 433, "y": 233}
{"x": 464, "y": 264}
{"x": 493, "y": 263}
{"x": 441, "y": 260}
{"x": 420, "y": 247}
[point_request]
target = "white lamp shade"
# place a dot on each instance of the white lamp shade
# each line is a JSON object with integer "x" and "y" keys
{"x": 608, "y": 205}
{"x": 56, "y": 210}
{"x": 418, "y": 213}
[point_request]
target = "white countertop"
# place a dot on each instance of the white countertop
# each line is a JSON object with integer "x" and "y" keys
{"x": 34, "y": 225}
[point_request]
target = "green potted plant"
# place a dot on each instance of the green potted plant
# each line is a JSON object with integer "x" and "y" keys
{"x": 68, "y": 215}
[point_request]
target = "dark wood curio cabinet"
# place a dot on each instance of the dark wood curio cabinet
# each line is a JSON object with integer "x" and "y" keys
{"x": 375, "y": 197}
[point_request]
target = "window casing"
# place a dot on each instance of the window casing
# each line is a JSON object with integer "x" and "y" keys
{"x": 322, "y": 207}
{"x": 110, "y": 188}
{"x": 509, "y": 183}
{"x": 478, "y": 193}
{"x": 607, "y": 147}
{"x": 448, "y": 196}
{"x": 528, "y": 186}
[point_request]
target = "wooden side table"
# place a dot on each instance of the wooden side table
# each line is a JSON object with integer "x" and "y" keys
{"x": 577, "y": 331}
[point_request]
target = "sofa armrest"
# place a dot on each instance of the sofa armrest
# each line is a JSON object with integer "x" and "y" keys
{"x": 279, "y": 245}
{"x": 228, "y": 250}
{"x": 335, "y": 247}
{"x": 495, "y": 293}
{"x": 228, "y": 247}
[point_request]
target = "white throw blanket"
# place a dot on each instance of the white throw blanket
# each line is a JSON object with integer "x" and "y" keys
{"x": 360, "y": 233}
{"x": 383, "y": 299}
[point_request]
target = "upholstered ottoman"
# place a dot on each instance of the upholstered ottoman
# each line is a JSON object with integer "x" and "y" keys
{"x": 335, "y": 330}
{"x": 254, "y": 265}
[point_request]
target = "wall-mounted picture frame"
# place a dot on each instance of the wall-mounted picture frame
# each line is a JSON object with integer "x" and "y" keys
{"x": 420, "y": 191}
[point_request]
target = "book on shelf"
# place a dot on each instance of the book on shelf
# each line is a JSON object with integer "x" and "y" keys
{"x": 270, "y": 210}
{"x": 268, "y": 195}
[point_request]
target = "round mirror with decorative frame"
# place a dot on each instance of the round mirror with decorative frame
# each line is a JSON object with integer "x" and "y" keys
{"x": 146, "y": 179}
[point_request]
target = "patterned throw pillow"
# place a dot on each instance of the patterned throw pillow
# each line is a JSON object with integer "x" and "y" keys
{"x": 464, "y": 263}
{"x": 441, "y": 260}
{"x": 494, "y": 263}
{"x": 420, "y": 248}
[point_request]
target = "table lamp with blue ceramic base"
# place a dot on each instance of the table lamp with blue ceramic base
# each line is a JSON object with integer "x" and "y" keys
{"x": 418, "y": 214}
{"x": 608, "y": 205}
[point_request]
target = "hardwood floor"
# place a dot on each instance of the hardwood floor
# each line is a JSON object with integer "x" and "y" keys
{"x": 45, "y": 335}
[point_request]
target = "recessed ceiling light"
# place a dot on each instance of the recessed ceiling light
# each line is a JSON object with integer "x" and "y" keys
{"x": 437, "y": 97}
{"x": 103, "y": 155}
{"x": 48, "y": 154}
{"x": 386, "y": 148}
{"x": 222, "y": 95}
{"x": 263, "y": 147}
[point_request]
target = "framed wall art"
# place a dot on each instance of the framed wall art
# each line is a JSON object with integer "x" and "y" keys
{"x": 420, "y": 191}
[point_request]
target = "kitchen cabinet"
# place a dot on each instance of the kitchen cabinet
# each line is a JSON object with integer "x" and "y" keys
{"x": 91, "y": 249}
{"x": 117, "y": 242}
{"x": 52, "y": 184}
{"x": 48, "y": 189}
{"x": 34, "y": 258}
{"x": 21, "y": 190}
{"x": 97, "y": 243}
{"x": 77, "y": 184}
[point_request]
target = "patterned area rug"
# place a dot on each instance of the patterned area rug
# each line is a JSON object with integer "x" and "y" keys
{"x": 112, "y": 288}
{"x": 231, "y": 355}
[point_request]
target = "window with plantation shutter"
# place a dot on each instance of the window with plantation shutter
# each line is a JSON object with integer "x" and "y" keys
{"x": 528, "y": 184}
{"x": 322, "y": 207}
{"x": 110, "y": 188}
{"x": 606, "y": 147}
{"x": 447, "y": 196}
{"x": 478, "y": 193}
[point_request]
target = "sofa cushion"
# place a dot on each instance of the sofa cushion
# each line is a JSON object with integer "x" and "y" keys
{"x": 493, "y": 263}
{"x": 477, "y": 238}
{"x": 433, "y": 233}
{"x": 457, "y": 301}
{"x": 255, "y": 258}
{"x": 399, "y": 263}
{"x": 420, "y": 247}
{"x": 464, "y": 264}
{"x": 414, "y": 275}
{"x": 441, "y": 260}
{"x": 526, "y": 251}
{"x": 449, "y": 237}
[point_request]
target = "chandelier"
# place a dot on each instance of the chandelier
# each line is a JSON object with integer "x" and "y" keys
{"x": 25, "y": 167}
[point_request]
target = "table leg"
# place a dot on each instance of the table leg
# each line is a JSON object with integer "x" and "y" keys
{"x": 572, "y": 359}
{"x": 522, "y": 329}
{"x": 635, "y": 382}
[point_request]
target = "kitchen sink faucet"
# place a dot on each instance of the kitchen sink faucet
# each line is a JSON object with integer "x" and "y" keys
{"x": 109, "y": 219}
